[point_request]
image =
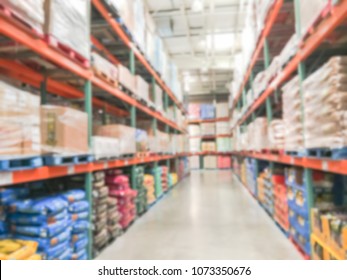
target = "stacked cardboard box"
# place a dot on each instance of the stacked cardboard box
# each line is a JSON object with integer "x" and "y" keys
{"x": 207, "y": 111}
{"x": 210, "y": 162}
{"x": 194, "y": 162}
{"x": 194, "y": 111}
{"x": 194, "y": 130}
{"x": 222, "y": 128}
{"x": 276, "y": 135}
{"x": 224, "y": 162}
{"x": 142, "y": 88}
{"x": 157, "y": 99}
{"x": 126, "y": 79}
{"x": 105, "y": 147}
{"x": 222, "y": 110}
{"x": 223, "y": 144}
{"x": 208, "y": 129}
{"x": 104, "y": 69}
{"x": 19, "y": 121}
{"x": 208, "y": 146}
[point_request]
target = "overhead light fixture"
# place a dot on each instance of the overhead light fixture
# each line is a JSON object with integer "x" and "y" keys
{"x": 220, "y": 42}
{"x": 197, "y": 6}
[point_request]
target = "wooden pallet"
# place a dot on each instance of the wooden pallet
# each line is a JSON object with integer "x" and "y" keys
{"x": 53, "y": 160}
{"x": 105, "y": 77}
{"x": 66, "y": 50}
{"x": 21, "y": 21}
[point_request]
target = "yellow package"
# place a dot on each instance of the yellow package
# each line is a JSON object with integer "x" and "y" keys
{"x": 35, "y": 257}
{"x": 17, "y": 249}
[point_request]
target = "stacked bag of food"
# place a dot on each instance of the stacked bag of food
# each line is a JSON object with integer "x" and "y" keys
{"x": 44, "y": 220}
{"x": 113, "y": 218}
{"x": 119, "y": 187}
{"x": 156, "y": 172}
{"x": 149, "y": 184}
{"x": 141, "y": 200}
{"x": 78, "y": 208}
{"x": 173, "y": 179}
{"x": 100, "y": 212}
{"x": 12, "y": 249}
{"x": 276, "y": 135}
{"x": 164, "y": 178}
{"x": 104, "y": 69}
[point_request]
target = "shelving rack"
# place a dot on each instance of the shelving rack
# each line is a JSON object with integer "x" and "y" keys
{"x": 334, "y": 15}
{"x": 83, "y": 85}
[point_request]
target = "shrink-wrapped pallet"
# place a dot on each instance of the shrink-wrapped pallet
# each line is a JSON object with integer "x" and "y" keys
{"x": 126, "y": 79}
{"x": 194, "y": 145}
{"x": 325, "y": 103}
{"x": 208, "y": 129}
{"x": 194, "y": 130}
{"x": 142, "y": 140}
{"x": 142, "y": 88}
{"x": 157, "y": 99}
{"x": 105, "y": 147}
{"x": 310, "y": 12}
{"x": 258, "y": 134}
{"x": 222, "y": 128}
{"x": 194, "y": 162}
{"x": 207, "y": 111}
{"x": 194, "y": 111}
{"x": 125, "y": 10}
{"x": 208, "y": 146}
{"x": 69, "y": 23}
{"x": 276, "y": 135}
{"x": 124, "y": 134}
{"x": 223, "y": 144}
{"x": 64, "y": 130}
{"x": 222, "y": 110}
{"x": 103, "y": 68}
{"x": 19, "y": 122}
{"x": 30, "y": 11}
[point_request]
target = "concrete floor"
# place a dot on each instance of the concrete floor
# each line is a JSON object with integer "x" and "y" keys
{"x": 209, "y": 216}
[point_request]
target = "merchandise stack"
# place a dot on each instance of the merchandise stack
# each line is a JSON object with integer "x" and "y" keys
{"x": 13, "y": 249}
{"x": 251, "y": 175}
{"x": 208, "y": 129}
{"x": 194, "y": 162}
{"x": 194, "y": 111}
{"x": 224, "y": 145}
{"x": 276, "y": 135}
{"x": 210, "y": 162}
{"x": 224, "y": 162}
{"x": 207, "y": 111}
{"x": 222, "y": 110}
{"x": 119, "y": 187}
{"x": 113, "y": 218}
{"x": 141, "y": 200}
{"x": 208, "y": 146}
{"x": 173, "y": 179}
{"x": 149, "y": 184}
{"x": 194, "y": 130}
{"x": 265, "y": 191}
{"x": 165, "y": 178}
{"x": 195, "y": 145}
{"x": 100, "y": 217}
{"x": 222, "y": 128}
{"x": 281, "y": 210}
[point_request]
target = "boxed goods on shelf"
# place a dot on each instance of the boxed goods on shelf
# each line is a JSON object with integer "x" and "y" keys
{"x": 164, "y": 178}
{"x": 126, "y": 79}
{"x": 208, "y": 129}
{"x": 142, "y": 88}
{"x": 258, "y": 134}
{"x": 224, "y": 162}
{"x": 324, "y": 98}
{"x": 124, "y": 134}
{"x": 61, "y": 16}
{"x": 281, "y": 210}
{"x": 104, "y": 69}
{"x": 125, "y": 11}
{"x": 222, "y": 128}
{"x": 207, "y": 111}
{"x": 63, "y": 130}
{"x": 265, "y": 191}
{"x": 222, "y": 110}
{"x": 158, "y": 97}
{"x": 139, "y": 24}
{"x": 276, "y": 135}
{"x": 208, "y": 146}
{"x": 194, "y": 130}
{"x": 310, "y": 12}
{"x": 30, "y": 11}
{"x": 223, "y": 144}
{"x": 210, "y": 162}
{"x": 19, "y": 121}
{"x": 194, "y": 162}
{"x": 195, "y": 145}
{"x": 292, "y": 116}
{"x": 194, "y": 111}
{"x": 105, "y": 147}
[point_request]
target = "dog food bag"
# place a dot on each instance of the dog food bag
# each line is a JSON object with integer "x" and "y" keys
{"x": 37, "y": 219}
{"x": 74, "y": 195}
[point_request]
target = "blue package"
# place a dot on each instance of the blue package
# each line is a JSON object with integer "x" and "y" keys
{"x": 9, "y": 195}
{"x": 37, "y": 219}
{"x": 78, "y": 236}
{"x": 78, "y": 255}
{"x": 79, "y": 245}
{"x": 80, "y": 216}
{"x": 56, "y": 251}
{"x": 79, "y": 206}
{"x": 3, "y": 227}
{"x": 46, "y": 243}
{"x": 84, "y": 257}
{"x": 66, "y": 255}
{"x": 44, "y": 206}
{"x": 80, "y": 226}
{"x": 74, "y": 195}
{"x": 45, "y": 231}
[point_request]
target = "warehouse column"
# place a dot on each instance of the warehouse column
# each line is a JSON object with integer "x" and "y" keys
{"x": 133, "y": 117}
{"x": 302, "y": 75}
{"x": 89, "y": 176}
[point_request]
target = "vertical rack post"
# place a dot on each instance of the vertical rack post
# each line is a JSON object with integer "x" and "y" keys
{"x": 133, "y": 117}
{"x": 43, "y": 91}
{"x": 88, "y": 176}
{"x": 167, "y": 128}
{"x": 157, "y": 183}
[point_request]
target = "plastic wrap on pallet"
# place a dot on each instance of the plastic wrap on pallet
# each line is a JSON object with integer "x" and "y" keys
{"x": 207, "y": 111}
{"x": 158, "y": 97}
{"x": 292, "y": 116}
{"x": 142, "y": 88}
{"x": 30, "y": 11}
{"x": 124, "y": 134}
{"x": 64, "y": 130}
{"x": 325, "y": 103}
{"x": 105, "y": 147}
{"x": 276, "y": 135}
{"x": 19, "y": 121}
{"x": 310, "y": 12}
{"x": 150, "y": 46}
{"x": 102, "y": 66}
{"x": 126, "y": 79}
{"x": 125, "y": 11}
{"x": 210, "y": 162}
{"x": 61, "y": 15}
{"x": 139, "y": 23}
{"x": 222, "y": 110}
{"x": 259, "y": 134}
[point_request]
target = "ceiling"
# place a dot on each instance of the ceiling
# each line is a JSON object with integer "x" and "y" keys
{"x": 201, "y": 37}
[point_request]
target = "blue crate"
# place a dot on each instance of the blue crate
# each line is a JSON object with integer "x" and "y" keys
{"x": 20, "y": 163}
{"x": 300, "y": 210}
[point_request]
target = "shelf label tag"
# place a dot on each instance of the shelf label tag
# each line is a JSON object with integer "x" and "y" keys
{"x": 105, "y": 165}
{"x": 71, "y": 169}
{"x": 325, "y": 165}
{"x": 126, "y": 162}
{"x": 6, "y": 178}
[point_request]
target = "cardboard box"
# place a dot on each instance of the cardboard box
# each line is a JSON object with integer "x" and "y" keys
{"x": 142, "y": 88}
{"x": 64, "y": 130}
{"x": 194, "y": 162}
{"x": 102, "y": 66}
{"x": 126, "y": 79}
{"x": 69, "y": 23}
{"x": 222, "y": 110}
{"x": 210, "y": 162}
{"x": 105, "y": 147}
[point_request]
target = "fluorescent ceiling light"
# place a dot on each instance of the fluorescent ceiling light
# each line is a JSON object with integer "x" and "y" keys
{"x": 197, "y": 6}
{"x": 220, "y": 42}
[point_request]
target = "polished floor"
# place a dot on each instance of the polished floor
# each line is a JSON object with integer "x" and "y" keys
{"x": 209, "y": 216}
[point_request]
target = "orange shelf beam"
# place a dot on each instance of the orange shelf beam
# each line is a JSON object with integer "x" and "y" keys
{"x": 211, "y": 136}
{"x": 208, "y": 121}
{"x": 49, "y": 172}
{"x": 327, "y": 165}
{"x": 126, "y": 40}
{"x": 338, "y": 15}
{"x": 209, "y": 154}
{"x": 272, "y": 16}
{"x": 104, "y": 50}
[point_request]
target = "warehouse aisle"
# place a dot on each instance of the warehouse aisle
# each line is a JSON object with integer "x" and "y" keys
{"x": 208, "y": 216}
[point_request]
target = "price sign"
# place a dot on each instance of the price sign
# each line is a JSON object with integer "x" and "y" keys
{"x": 71, "y": 169}
{"x": 6, "y": 178}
